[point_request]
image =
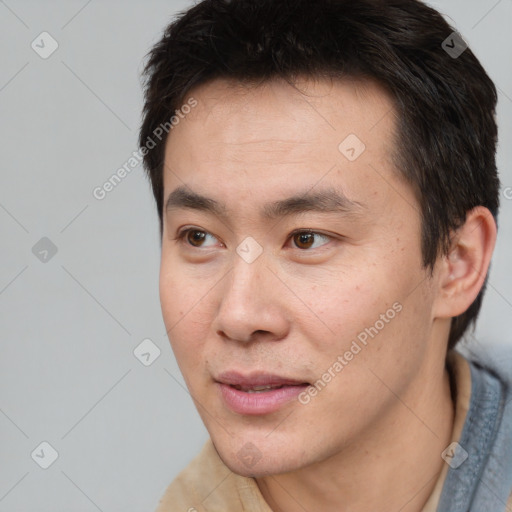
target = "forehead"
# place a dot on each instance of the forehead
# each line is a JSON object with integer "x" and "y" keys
{"x": 308, "y": 109}
{"x": 275, "y": 139}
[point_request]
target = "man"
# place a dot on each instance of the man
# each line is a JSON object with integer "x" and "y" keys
{"x": 325, "y": 178}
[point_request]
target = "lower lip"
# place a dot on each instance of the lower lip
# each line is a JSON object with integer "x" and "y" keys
{"x": 263, "y": 402}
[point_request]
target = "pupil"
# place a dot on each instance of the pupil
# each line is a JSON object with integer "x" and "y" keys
{"x": 197, "y": 236}
{"x": 305, "y": 239}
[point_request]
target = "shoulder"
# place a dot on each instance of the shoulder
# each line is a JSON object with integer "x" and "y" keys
{"x": 491, "y": 374}
{"x": 487, "y": 433}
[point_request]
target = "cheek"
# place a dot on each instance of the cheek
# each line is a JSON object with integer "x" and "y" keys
{"x": 371, "y": 305}
{"x": 184, "y": 306}
{"x": 335, "y": 308}
{"x": 171, "y": 301}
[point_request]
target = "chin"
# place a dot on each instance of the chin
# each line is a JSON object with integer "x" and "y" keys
{"x": 246, "y": 459}
{"x": 260, "y": 469}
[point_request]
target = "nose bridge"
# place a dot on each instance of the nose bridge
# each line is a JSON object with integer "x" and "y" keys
{"x": 249, "y": 269}
{"x": 246, "y": 284}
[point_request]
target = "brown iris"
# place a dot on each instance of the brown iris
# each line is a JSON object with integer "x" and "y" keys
{"x": 304, "y": 240}
{"x": 195, "y": 237}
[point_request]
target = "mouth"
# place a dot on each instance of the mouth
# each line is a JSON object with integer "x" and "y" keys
{"x": 258, "y": 389}
{"x": 257, "y": 393}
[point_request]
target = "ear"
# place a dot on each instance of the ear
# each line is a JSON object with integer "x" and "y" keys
{"x": 463, "y": 270}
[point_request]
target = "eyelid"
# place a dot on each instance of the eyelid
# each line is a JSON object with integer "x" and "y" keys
{"x": 310, "y": 230}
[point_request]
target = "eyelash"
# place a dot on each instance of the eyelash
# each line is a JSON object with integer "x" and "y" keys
{"x": 180, "y": 237}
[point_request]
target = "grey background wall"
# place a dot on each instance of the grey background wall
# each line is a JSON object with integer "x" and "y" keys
{"x": 79, "y": 275}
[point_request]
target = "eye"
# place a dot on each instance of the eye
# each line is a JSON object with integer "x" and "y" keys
{"x": 306, "y": 239}
{"x": 195, "y": 237}
{"x": 302, "y": 239}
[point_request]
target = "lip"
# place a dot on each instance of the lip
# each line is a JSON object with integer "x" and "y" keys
{"x": 234, "y": 378}
{"x": 264, "y": 402}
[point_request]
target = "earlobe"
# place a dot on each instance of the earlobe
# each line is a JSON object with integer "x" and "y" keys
{"x": 464, "y": 268}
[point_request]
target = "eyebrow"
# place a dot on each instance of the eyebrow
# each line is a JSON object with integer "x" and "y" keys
{"x": 327, "y": 200}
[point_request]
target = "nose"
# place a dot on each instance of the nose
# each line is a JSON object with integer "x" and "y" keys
{"x": 251, "y": 306}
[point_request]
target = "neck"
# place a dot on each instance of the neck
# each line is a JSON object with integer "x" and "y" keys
{"x": 392, "y": 466}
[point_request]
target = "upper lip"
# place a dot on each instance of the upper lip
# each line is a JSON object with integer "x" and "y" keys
{"x": 234, "y": 378}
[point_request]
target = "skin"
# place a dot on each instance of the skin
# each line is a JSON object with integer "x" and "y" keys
{"x": 372, "y": 438}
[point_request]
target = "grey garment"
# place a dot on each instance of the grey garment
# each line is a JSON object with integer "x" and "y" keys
{"x": 480, "y": 474}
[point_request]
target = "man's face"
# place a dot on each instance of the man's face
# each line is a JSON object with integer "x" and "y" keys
{"x": 277, "y": 281}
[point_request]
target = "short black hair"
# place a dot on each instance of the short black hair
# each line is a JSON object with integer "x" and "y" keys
{"x": 445, "y": 103}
